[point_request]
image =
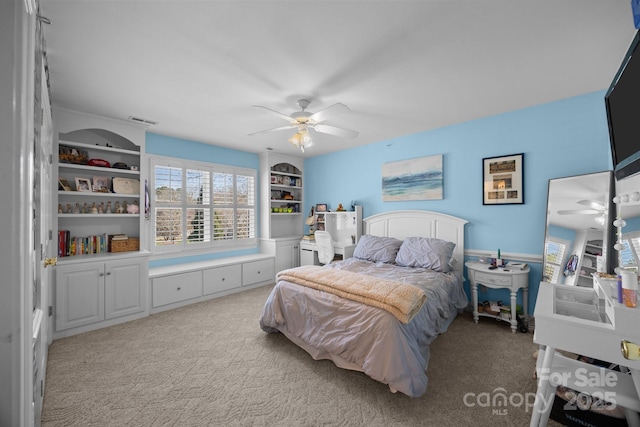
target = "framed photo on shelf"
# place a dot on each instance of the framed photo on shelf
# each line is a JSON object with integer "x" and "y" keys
{"x": 321, "y": 207}
{"x": 502, "y": 180}
{"x": 83, "y": 184}
{"x": 63, "y": 184}
{"x": 101, "y": 184}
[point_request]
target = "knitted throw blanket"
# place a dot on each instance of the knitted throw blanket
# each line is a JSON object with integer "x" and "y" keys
{"x": 400, "y": 299}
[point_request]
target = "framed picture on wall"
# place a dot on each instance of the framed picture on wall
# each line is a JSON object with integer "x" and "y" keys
{"x": 503, "y": 180}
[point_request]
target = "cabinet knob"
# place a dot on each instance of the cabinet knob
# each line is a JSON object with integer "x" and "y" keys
{"x": 109, "y": 273}
{"x": 179, "y": 288}
{"x": 258, "y": 271}
{"x": 101, "y": 274}
{"x": 223, "y": 279}
{"x": 630, "y": 350}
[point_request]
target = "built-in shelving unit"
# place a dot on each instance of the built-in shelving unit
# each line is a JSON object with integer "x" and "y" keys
{"x": 281, "y": 216}
{"x": 589, "y": 262}
{"x": 98, "y": 282}
{"x": 90, "y": 207}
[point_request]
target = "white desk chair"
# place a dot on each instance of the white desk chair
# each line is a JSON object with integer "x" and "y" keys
{"x": 324, "y": 243}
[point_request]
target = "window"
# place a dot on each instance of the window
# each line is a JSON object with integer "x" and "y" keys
{"x": 629, "y": 254}
{"x": 202, "y": 205}
{"x": 555, "y": 250}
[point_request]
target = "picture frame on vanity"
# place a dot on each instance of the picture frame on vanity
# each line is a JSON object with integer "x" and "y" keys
{"x": 321, "y": 207}
{"x": 83, "y": 184}
{"x": 503, "y": 180}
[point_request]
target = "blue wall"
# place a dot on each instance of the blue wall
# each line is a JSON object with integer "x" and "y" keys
{"x": 184, "y": 149}
{"x": 564, "y": 138}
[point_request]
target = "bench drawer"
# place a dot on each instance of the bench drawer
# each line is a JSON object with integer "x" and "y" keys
{"x": 176, "y": 288}
{"x": 221, "y": 278}
{"x": 258, "y": 271}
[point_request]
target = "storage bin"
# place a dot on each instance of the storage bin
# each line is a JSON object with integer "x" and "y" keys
{"x": 130, "y": 244}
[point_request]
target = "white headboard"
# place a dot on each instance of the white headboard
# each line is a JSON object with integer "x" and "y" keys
{"x": 413, "y": 223}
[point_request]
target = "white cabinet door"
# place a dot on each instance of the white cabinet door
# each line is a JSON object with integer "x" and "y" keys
{"x": 79, "y": 295}
{"x": 124, "y": 292}
{"x": 92, "y": 292}
{"x": 287, "y": 254}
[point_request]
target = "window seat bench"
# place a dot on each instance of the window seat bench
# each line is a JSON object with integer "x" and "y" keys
{"x": 187, "y": 283}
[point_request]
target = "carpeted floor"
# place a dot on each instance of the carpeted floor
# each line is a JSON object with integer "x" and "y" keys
{"x": 210, "y": 364}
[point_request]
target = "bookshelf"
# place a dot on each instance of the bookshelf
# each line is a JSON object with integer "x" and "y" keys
{"x": 281, "y": 216}
{"x": 100, "y": 174}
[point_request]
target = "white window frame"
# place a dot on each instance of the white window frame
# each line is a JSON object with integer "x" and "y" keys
{"x": 558, "y": 268}
{"x": 212, "y": 244}
{"x": 632, "y": 245}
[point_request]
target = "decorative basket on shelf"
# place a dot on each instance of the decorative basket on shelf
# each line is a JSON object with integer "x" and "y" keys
{"x": 126, "y": 245}
{"x": 72, "y": 155}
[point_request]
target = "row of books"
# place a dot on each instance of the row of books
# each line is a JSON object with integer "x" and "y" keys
{"x": 96, "y": 244}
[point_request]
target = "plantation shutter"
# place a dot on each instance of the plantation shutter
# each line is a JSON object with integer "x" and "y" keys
{"x": 245, "y": 207}
{"x": 168, "y": 205}
{"x": 202, "y": 205}
{"x": 198, "y": 206}
{"x": 555, "y": 253}
{"x": 223, "y": 201}
{"x": 629, "y": 254}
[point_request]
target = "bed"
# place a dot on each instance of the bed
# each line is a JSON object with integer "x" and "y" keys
{"x": 388, "y": 345}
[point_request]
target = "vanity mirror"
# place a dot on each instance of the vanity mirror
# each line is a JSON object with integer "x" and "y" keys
{"x": 628, "y": 210}
{"x": 579, "y": 234}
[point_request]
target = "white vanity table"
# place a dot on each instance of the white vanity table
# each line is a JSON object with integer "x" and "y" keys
{"x": 592, "y": 323}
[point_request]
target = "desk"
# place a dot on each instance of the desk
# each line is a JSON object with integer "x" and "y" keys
{"x": 479, "y": 274}
{"x": 309, "y": 251}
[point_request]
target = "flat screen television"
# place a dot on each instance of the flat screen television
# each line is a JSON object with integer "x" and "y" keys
{"x": 622, "y": 102}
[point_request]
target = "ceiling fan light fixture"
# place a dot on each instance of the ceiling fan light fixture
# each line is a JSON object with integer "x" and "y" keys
{"x": 295, "y": 139}
{"x": 303, "y": 121}
{"x": 306, "y": 138}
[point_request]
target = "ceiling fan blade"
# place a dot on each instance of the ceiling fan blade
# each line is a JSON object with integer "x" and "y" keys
{"x": 580, "y": 212}
{"x": 274, "y": 129}
{"x": 332, "y": 130}
{"x": 591, "y": 204}
{"x": 284, "y": 116}
{"x": 333, "y": 110}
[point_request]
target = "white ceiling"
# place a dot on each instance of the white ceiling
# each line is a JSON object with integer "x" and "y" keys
{"x": 402, "y": 67}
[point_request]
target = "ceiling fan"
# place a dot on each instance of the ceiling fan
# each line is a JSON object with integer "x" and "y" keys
{"x": 303, "y": 121}
{"x": 592, "y": 208}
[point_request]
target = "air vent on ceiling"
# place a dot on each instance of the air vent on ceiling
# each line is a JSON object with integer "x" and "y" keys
{"x": 143, "y": 121}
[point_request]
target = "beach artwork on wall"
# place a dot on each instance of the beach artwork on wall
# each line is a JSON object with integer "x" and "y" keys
{"x": 413, "y": 179}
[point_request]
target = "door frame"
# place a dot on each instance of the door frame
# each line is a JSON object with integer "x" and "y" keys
{"x": 17, "y": 35}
